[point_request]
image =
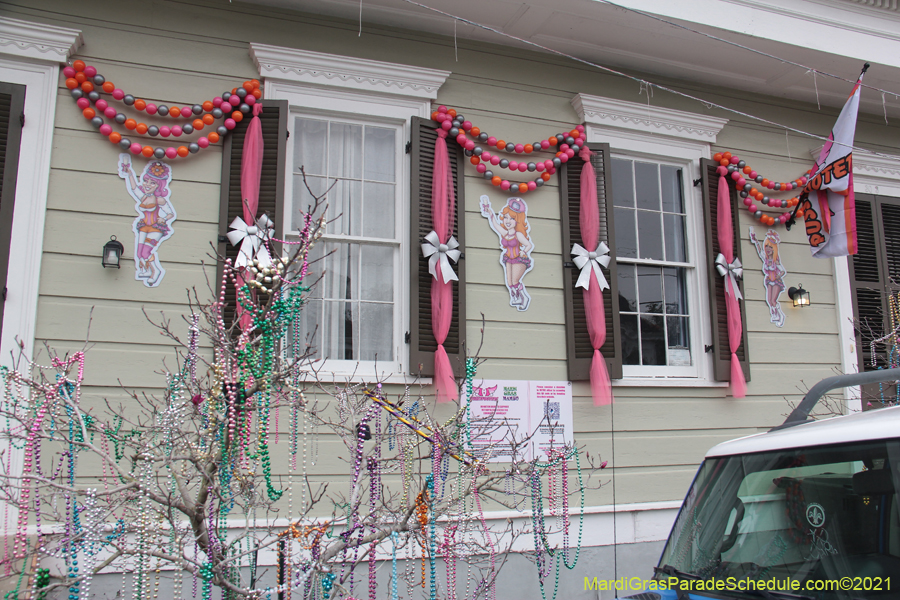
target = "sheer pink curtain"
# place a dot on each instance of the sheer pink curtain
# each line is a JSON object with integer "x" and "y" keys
{"x": 725, "y": 232}
{"x": 442, "y": 209}
{"x": 601, "y": 390}
{"x": 251, "y": 172}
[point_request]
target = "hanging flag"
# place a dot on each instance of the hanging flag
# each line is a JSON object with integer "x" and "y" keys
{"x": 827, "y": 202}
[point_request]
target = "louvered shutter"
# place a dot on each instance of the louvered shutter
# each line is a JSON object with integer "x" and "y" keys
{"x": 422, "y": 344}
{"x": 12, "y": 108}
{"x": 719, "y": 324}
{"x": 874, "y": 273}
{"x": 578, "y": 341}
{"x": 271, "y": 188}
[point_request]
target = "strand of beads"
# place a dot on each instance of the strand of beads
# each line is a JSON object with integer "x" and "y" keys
{"x": 86, "y": 84}
{"x": 459, "y": 128}
{"x": 744, "y": 178}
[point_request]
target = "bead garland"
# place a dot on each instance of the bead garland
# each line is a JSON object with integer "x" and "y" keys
{"x": 86, "y": 84}
{"x": 744, "y": 177}
{"x": 459, "y": 128}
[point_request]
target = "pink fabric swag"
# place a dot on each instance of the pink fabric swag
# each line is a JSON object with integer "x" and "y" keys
{"x": 601, "y": 390}
{"x": 251, "y": 172}
{"x": 442, "y": 211}
{"x": 725, "y": 232}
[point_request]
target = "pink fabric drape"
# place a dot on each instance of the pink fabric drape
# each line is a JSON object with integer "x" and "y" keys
{"x": 251, "y": 172}
{"x": 589, "y": 212}
{"x": 442, "y": 213}
{"x": 725, "y": 233}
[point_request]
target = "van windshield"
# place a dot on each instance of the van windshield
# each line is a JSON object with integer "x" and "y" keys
{"x": 812, "y": 515}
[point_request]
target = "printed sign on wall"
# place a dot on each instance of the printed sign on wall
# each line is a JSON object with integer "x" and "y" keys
{"x": 531, "y": 415}
{"x": 153, "y": 225}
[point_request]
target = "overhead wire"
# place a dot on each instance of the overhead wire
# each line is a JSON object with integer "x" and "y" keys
{"x": 707, "y": 103}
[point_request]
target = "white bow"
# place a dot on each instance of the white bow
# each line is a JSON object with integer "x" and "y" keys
{"x": 436, "y": 252}
{"x": 733, "y": 272}
{"x": 588, "y": 261}
{"x": 252, "y": 239}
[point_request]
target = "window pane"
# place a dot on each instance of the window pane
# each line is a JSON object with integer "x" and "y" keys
{"x": 630, "y": 351}
{"x": 303, "y": 200}
{"x": 626, "y": 238}
{"x": 651, "y": 239}
{"x": 376, "y": 273}
{"x": 306, "y": 332}
{"x": 679, "y": 351}
{"x": 309, "y": 146}
{"x": 339, "y": 338}
{"x": 653, "y": 342}
{"x": 345, "y": 151}
{"x": 672, "y": 200}
{"x": 378, "y": 210}
{"x": 676, "y": 293}
{"x": 344, "y": 214}
{"x": 376, "y": 323}
{"x": 650, "y": 289}
{"x": 646, "y": 183}
{"x": 341, "y": 277}
{"x": 674, "y": 228}
{"x": 623, "y": 182}
{"x": 380, "y": 154}
{"x": 627, "y": 289}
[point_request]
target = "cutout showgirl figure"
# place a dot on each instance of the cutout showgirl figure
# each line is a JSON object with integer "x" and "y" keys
{"x": 773, "y": 273}
{"x": 155, "y": 215}
{"x": 511, "y": 225}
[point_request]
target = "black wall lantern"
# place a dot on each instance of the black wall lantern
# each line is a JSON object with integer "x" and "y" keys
{"x": 799, "y": 295}
{"x": 112, "y": 252}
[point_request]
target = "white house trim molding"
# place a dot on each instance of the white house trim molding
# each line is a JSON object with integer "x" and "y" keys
{"x": 37, "y": 40}
{"x": 331, "y": 70}
{"x": 638, "y": 117}
{"x": 30, "y": 55}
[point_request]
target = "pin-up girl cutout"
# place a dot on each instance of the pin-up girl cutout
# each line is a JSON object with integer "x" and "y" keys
{"x": 511, "y": 225}
{"x": 773, "y": 273}
{"x": 155, "y": 216}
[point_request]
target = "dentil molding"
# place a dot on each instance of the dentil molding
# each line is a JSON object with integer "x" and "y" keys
{"x": 346, "y": 72}
{"x": 25, "y": 39}
{"x": 640, "y": 117}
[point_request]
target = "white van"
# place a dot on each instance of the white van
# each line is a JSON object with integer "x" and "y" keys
{"x": 807, "y": 510}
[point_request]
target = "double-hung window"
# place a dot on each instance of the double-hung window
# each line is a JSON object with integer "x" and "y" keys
{"x": 655, "y": 268}
{"x": 354, "y": 310}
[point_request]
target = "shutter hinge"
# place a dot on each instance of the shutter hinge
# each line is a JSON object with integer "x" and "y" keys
{"x": 407, "y": 337}
{"x": 568, "y": 265}
{"x": 223, "y": 239}
{"x": 22, "y": 120}
{"x": 708, "y": 348}
{"x": 697, "y": 182}
{"x": 408, "y": 147}
{"x": 287, "y": 134}
{"x": 3, "y": 294}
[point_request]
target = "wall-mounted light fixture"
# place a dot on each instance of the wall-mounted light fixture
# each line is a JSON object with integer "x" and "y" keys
{"x": 112, "y": 252}
{"x": 799, "y": 295}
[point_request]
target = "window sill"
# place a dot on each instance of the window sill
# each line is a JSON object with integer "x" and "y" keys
{"x": 329, "y": 377}
{"x": 668, "y": 382}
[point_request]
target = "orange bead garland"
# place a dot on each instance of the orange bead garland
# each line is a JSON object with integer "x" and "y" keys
{"x": 730, "y": 165}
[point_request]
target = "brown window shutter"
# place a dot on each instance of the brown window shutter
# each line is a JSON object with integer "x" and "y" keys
{"x": 271, "y": 188}
{"x": 874, "y": 273}
{"x": 720, "y": 348}
{"x": 12, "y": 109}
{"x": 578, "y": 341}
{"x": 422, "y": 344}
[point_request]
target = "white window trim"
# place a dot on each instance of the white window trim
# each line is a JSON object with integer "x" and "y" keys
{"x": 315, "y": 83}
{"x": 878, "y": 176}
{"x": 639, "y": 131}
{"x": 30, "y": 55}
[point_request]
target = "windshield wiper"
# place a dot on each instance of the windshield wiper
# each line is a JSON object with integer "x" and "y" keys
{"x": 673, "y": 572}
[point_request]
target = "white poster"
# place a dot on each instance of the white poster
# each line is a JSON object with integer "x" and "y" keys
{"x": 551, "y": 415}
{"x": 507, "y": 413}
